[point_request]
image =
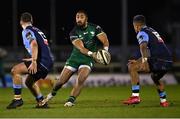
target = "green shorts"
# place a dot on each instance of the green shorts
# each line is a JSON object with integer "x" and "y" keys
{"x": 74, "y": 63}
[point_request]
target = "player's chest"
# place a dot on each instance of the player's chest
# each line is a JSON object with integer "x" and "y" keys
{"x": 87, "y": 35}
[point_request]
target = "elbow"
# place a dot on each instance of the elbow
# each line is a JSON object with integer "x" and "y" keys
{"x": 106, "y": 42}
{"x": 34, "y": 45}
{"x": 143, "y": 47}
{"x": 82, "y": 51}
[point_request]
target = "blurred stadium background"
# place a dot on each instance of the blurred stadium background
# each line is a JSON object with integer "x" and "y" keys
{"x": 56, "y": 19}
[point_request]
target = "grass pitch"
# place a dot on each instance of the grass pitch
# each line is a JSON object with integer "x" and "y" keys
{"x": 95, "y": 102}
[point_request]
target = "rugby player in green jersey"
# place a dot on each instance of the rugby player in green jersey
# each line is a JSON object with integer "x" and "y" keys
{"x": 84, "y": 37}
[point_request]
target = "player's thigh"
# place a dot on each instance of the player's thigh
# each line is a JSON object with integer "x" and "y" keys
{"x": 83, "y": 73}
{"x": 66, "y": 73}
{"x": 19, "y": 69}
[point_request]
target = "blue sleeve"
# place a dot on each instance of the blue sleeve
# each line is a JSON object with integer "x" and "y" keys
{"x": 99, "y": 30}
{"x": 142, "y": 37}
{"x": 29, "y": 35}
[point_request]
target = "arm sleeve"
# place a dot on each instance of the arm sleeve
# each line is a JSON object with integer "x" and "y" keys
{"x": 99, "y": 30}
{"x": 73, "y": 35}
{"x": 142, "y": 37}
{"x": 29, "y": 35}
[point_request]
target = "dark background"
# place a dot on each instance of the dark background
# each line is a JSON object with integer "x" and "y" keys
{"x": 108, "y": 14}
{"x": 162, "y": 15}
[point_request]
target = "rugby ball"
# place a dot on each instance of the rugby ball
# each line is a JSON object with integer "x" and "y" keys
{"x": 103, "y": 56}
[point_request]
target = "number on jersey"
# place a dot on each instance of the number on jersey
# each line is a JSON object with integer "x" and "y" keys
{"x": 44, "y": 38}
{"x": 158, "y": 37}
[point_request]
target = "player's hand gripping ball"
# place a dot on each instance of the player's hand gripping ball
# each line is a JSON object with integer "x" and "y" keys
{"x": 102, "y": 57}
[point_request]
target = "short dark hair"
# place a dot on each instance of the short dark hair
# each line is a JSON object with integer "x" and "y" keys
{"x": 83, "y": 11}
{"x": 26, "y": 17}
{"x": 139, "y": 19}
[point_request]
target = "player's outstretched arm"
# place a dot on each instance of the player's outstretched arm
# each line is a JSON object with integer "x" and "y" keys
{"x": 104, "y": 40}
{"x": 79, "y": 45}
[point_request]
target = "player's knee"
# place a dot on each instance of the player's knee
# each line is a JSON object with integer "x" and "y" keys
{"x": 152, "y": 77}
{"x": 81, "y": 80}
{"x": 14, "y": 71}
{"x": 28, "y": 83}
{"x": 155, "y": 78}
{"x": 131, "y": 67}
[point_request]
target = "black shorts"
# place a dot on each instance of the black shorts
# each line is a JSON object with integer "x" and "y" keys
{"x": 41, "y": 71}
{"x": 159, "y": 65}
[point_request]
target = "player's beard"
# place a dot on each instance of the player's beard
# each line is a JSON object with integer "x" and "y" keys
{"x": 81, "y": 24}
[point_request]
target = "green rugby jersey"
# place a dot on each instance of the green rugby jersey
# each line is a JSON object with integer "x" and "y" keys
{"x": 88, "y": 36}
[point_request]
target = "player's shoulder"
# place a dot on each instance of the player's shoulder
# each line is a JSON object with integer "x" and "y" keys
{"x": 27, "y": 30}
{"x": 74, "y": 30}
{"x": 141, "y": 34}
{"x": 35, "y": 29}
{"x": 28, "y": 33}
{"x": 93, "y": 25}
{"x": 148, "y": 29}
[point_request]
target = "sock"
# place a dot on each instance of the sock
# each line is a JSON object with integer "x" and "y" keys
{"x": 162, "y": 95}
{"x": 71, "y": 99}
{"x": 53, "y": 92}
{"x": 55, "y": 89}
{"x": 17, "y": 91}
{"x": 135, "y": 90}
{"x": 39, "y": 97}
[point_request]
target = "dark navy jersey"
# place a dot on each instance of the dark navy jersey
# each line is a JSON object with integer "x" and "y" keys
{"x": 45, "y": 57}
{"x": 155, "y": 43}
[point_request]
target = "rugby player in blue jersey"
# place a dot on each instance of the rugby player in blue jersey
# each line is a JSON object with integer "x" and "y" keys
{"x": 37, "y": 66}
{"x": 155, "y": 59}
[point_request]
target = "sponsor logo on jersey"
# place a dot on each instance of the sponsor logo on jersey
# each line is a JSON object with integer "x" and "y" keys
{"x": 92, "y": 33}
{"x": 85, "y": 33}
{"x": 29, "y": 36}
{"x": 73, "y": 37}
